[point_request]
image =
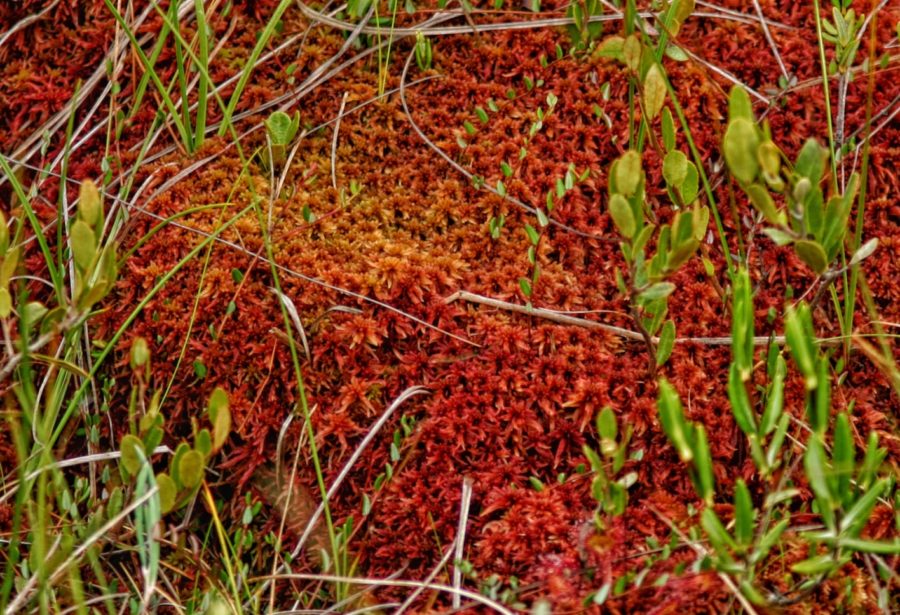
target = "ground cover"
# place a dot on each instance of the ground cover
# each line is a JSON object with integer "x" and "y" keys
{"x": 395, "y": 251}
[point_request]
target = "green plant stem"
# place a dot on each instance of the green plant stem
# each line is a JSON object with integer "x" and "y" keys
{"x": 251, "y": 62}
{"x": 850, "y": 283}
{"x": 698, "y": 162}
{"x": 203, "y": 35}
{"x": 826, "y": 90}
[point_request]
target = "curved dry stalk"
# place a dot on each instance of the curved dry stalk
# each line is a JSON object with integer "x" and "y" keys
{"x": 459, "y": 543}
{"x": 739, "y": 16}
{"x": 25, "y": 594}
{"x": 373, "y": 431}
{"x": 72, "y": 462}
{"x": 334, "y": 141}
{"x": 771, "y": 41}
{"x": 564, "y": 319}
{"x": 726, "y": 75}
{"x": 428, "y": 579}
{"x": 27, "y": 21}
{"x": 361, "y": 447}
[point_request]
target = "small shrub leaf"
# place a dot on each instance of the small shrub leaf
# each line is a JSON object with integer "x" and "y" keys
{"x": 741, "y": 143}
{"x": 167, "y": 492}
{"x": 623, "y": 218}
{"x": 132, "y": 449}
{"x": 666, "y": 343}
{"x": 654, "y": 91}
{"x": 812, "y": 253}
{"x": 190, "y": 468}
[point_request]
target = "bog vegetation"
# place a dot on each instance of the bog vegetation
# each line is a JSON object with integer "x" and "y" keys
{"x": 538, "y": 307}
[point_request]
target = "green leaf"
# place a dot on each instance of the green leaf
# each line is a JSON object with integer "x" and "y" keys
{"x": 611, "y": 47}
{"x": 753, "y": 594}
{"x": 769, "y": 158}
{"x": 659, "y": 290}
{"x": 84, "y": 245}
{"x": 744, "y": 516}
{"x": 593, "y": 458}
{"x": 671, "y": 416}
{"x": 675, "y": 168}
{"x": 190, "y": 468}
{"x": 676, "y": 53}
{"x": 654, "y": 91}
{"x": 739, "y": 147}
{"x": 668, "y": 129}
{"x": 680, "y": 11}
{"x": 622, "y": 216}
{"x": 817, "y": 470}
{"x": 764, "y": 204}
{"x": 606, "y": 424}
{"x": 132, "y": 450}
{"x": 855, "y": 519}
{"x": 90, "y": 207}
{"x": 740, "y": 401}
{"x": 865, "y": 251}
{"x": 815, "y": 565}
{"x": 843, "y": 457}
{"x": 627, "y": 173}
{"x": 4, "y": 236}
{"x": 703, "y": 464}
{"x": 742, "y": 325}
{"x": 200, "y": 369}
{"x": 689, "y": 187}
{"x": 781, "y": 238}
{"x": 642, "y": 238}
{"x": 715, "y": 531}
{"x": 5, "y": 302}
{"x": 775, "y": 399}
{"x": 533, "y": 235}
{"x": 872, "y": 546}
{"x": 811, "y": 161}
{"x": 836, "y": 217}
{"x": 739, "y": 105}
{"x": 167, "y": 492}
{"x": 777, "y": 440}
{"x": 140, "y": 352}
{"x": 525, "y": 285}
{"x": 281, "y": 128}
{"x": 796, "y": 331}
{"x": 203, "y": 442}
{"x": 174, "y": 463}
{"x": 632, "y": 50}
{"x": 666, "y": 343}
{"x": 872, "y": 461}
{"x": 32, "y": 312}
{"x": 812, "y": 253}
{"x": 770, "y": 539}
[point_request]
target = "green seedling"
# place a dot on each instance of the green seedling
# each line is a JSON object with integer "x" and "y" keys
{"x": 281, "y": 130}
{"x": 611, "y": 493}
{"x": 187, "y": 466}
{"x": 645, "y": 282}
{"x": 423, "y": 52}
{"x": 583, "y": 32}
{"x": 816, "y": 227}
{"x": 845, "y": 490}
